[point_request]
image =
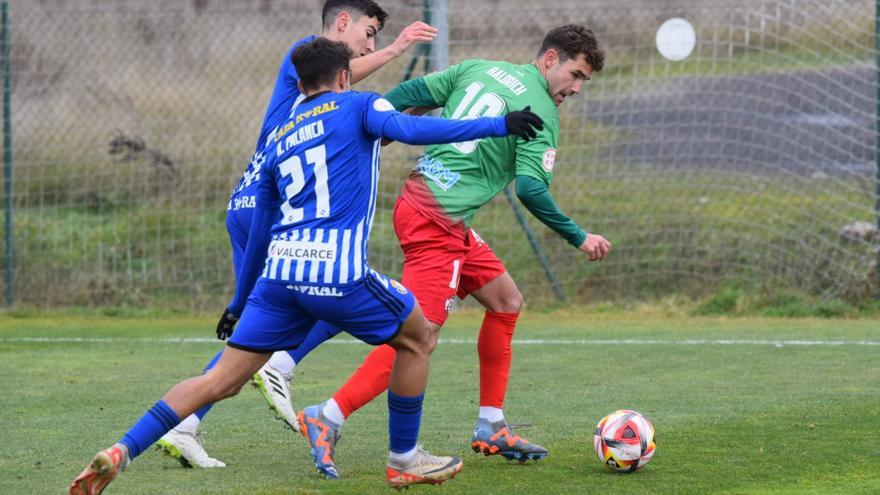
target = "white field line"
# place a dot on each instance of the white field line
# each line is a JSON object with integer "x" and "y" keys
{"x": 550, "y": 342}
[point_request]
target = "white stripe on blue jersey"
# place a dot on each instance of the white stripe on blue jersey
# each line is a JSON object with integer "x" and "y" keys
{"x": 374, "y": 193}
{"x": 313, "y": 273}
{"x": 343, "y": 260}
{"x": 328, "y": 270}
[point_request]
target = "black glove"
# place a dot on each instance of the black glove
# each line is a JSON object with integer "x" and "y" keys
{"x": 226, "y": 325}
{"x": 522, "y": 122}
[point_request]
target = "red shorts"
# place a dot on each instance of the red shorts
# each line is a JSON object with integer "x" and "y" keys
{"x": 439, "y": 264}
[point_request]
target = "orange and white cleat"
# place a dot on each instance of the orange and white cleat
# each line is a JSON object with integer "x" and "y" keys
{"x": 422, "y": 468}
{"x": 100, "y": 472}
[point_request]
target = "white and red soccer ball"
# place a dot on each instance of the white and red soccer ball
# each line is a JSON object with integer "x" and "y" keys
{"x": 624, "y": 441}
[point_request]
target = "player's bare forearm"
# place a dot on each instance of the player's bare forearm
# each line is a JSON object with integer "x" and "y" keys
{"x": 417, "y": 32}
{"x": 362, "y": 67}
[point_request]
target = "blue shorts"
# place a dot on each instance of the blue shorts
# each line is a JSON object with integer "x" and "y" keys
{"x": 278, "y": 316}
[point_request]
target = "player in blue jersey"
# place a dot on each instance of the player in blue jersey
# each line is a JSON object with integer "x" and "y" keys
{"x": 306, "y": 260}
{"x": 356, "y": 23}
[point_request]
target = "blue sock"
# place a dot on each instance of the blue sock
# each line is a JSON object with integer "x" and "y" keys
{"x": 404, "y": 419}
{"x": 159, "y": 420}
{"x": 213, "y": 361}
{"x": 316, "y": 336}
{"x": 204, "y": 410}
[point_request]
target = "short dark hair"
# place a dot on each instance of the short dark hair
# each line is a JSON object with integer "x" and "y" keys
{"x": 317, "y": 63}
{"x": 571, "y": 40}
{"x": 369, "y": 8}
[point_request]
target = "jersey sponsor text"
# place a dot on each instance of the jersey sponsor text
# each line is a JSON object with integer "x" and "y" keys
{"x": 434, "y": 170}
{"x": 305, "y": 133}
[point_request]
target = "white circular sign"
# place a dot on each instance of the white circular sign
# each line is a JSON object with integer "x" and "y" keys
{"x": 676, "y": 39}
{"x": 382, "y": 105}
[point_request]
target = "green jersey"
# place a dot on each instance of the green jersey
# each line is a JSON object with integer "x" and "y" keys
{"x": 453, "y": 181}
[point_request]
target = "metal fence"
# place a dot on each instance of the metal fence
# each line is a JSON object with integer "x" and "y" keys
{"x": 751, "y": 161}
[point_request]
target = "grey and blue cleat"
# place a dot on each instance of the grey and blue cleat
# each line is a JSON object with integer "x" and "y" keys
{"x": 498, "y": 439}
{"x": 322, "y": 435}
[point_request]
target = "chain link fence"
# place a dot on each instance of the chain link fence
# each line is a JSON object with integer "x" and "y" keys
{"x": 751, "y": 161}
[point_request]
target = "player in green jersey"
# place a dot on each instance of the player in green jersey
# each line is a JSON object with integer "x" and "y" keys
{"x": 443, "y": 255}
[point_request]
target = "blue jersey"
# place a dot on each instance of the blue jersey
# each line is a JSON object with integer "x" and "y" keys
{"x": 284, "y": 96}
{"x": 326, "y": 212}
{"x": 317, "y": 192}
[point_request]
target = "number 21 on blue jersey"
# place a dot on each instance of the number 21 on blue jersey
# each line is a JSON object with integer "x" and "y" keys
{"x": 293, "y": 168}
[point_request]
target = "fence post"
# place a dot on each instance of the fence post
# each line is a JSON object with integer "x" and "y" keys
{"x": 877, "y": 138}
{"x": 7, "y": 156}
{"x": 440, "y": 17}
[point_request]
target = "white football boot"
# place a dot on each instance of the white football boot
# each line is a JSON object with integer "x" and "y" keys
{"x": 423, "y": 467}
{"x": 187, "y": 448}
{"x": 275, "y": 388}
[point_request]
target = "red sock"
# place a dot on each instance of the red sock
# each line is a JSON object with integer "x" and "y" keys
{"x": 493, "y": 346}
{"x": 367, "y": 382}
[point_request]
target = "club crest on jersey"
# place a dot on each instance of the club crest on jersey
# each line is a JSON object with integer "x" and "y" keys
{"x": 397, "y": 285}
{"x": 382, "y": 105}
{"x": 549, "y": 159}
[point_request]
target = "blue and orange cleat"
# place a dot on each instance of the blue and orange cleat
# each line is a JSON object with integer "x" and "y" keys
{"x": 322, "y": 435}
{"x": 100, "y": 472}
{"x": 498, "y": 439}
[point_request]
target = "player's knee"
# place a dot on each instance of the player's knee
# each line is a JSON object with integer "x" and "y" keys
{"x": 433, "y": 336}
{"x": 510, "y": 302}
{"x": 415, "y": 337}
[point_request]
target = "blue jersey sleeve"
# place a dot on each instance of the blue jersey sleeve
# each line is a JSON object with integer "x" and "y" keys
{"x": 382, "y": 120}
{"x": 265, "y": 213}
{"x": 284, "y": 94}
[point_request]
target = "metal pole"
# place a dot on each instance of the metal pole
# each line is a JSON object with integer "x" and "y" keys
{"x": 424, "y": 48}
{"x": 440, "y": 18}
{"x": 7, "y": 156}
{"x": 877, "y": 138}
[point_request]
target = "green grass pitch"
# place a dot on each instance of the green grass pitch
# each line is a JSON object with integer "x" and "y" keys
{"x": 740, "y": 406}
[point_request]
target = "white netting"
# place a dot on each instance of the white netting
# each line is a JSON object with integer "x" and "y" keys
{"x": 753, "y": 160}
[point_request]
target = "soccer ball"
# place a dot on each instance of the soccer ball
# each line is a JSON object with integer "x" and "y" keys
{"x": 624, "y": 441}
